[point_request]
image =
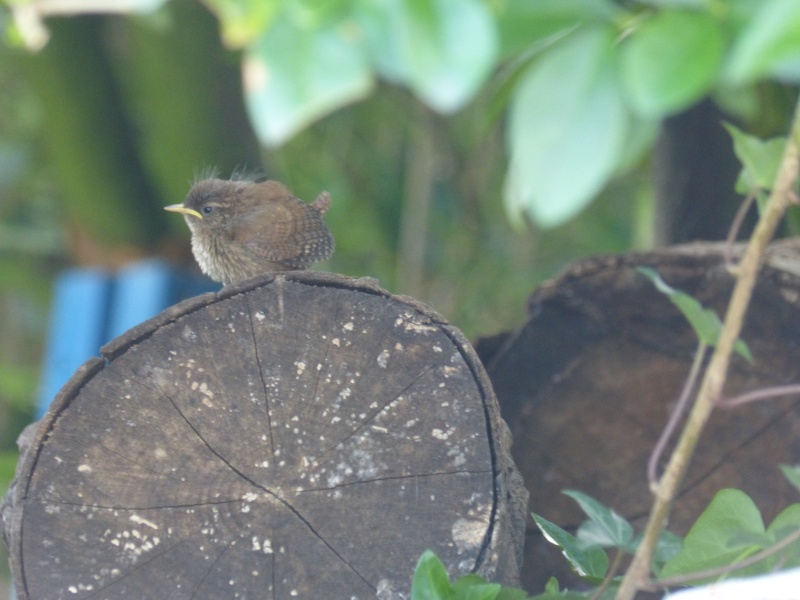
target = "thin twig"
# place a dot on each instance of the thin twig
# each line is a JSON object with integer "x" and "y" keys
{"x": 762, "y": 394}
{"x": 733, "y": 232}
{"x": 665, "y": 491}
{"x": 677, "y": 413}
{"x": 612, "y": 572}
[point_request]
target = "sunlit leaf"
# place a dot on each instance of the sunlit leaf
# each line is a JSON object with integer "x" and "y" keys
{"x": 294, "y": 76}
{"x": 566, "y": 134}
{"x": 769, "y": 44}
{"x": 671, "y": 61}
{"x": 442, "y": 49}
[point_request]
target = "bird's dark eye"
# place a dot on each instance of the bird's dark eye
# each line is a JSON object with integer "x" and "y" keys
{"x": 207, "y": 210}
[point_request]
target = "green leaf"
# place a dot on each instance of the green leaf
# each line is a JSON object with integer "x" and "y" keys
{"x": 566, "y": 134}
{"x": 605, "y": 527}
{"x": 728, "y": 530}
{"x": 676, "y": 3}
{"x": 792, "y": 473}
{"x": 704, "y": 321}
{"x": 761, "y": 159}
{"x": 769, "y": 44}
{"x": 668, "y": 545}
{"x": 474, "y": 587}
{"x": 8, "y": 467}
{"x": 786, "y": 523}
{"x": 442, "y": 49}
{"x": 511, "y": 594}
{"x": 671, "y": 61}
{"x": 294, "y": 76}
{"x": 523, "y": 24}
{"x": 243, "y": 21}
{"x": 589, "y": 563}
{"x": 431, "y": 581}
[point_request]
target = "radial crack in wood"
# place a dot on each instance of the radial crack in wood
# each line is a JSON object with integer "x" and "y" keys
{"x": 297, "y": 436}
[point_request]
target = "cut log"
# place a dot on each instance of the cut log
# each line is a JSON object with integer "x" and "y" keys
{"x": 302, "y": 435}
{"x": 587, "y": 385}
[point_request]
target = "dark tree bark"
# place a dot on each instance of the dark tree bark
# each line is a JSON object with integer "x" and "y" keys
{"x": 297, "y": 436}
{"x": 587, "y": 385}
{"x": 694, "y": 175}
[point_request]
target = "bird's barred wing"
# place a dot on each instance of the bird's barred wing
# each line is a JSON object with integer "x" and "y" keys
{"x": 291, "y": 233}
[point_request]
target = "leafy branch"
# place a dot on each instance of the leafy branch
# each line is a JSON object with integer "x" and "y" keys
{"x": 711, "y": 387}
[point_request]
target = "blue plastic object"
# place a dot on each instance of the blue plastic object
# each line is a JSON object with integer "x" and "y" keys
{"x": 91, "y": 307}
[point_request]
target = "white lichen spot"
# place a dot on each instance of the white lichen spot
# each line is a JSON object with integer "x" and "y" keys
{"x": 260, "y": 316}
{"x": 160, "y": 453}
{"x": 142, "y": 521}
{"x": 468, "y": 534}
{"x": 250, "y": 497}
{"x": 437, "y": 348}
{"x": 336, "y": 342}
{"x": 84, "y": 468}
{"x": 345, "y": 393}
{"x": 380, "y": 429}
{"x": 348, "y": 326}
{"x": 439, "y": 434}
{"x": 195, "y": 385}
{"x": 301, "y": 366}
{"x": 383, "y": 359}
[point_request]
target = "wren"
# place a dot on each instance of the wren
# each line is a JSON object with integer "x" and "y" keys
{"x": 243, "y": 228}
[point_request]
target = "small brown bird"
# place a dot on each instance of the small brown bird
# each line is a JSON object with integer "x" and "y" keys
{"x": 242, "y": 228}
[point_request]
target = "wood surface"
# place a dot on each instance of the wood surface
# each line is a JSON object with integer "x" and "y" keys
{"x": 302, "y": 435}
{"x": 588, "y": 382}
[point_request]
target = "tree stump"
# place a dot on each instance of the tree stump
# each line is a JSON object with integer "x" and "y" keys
{"x": 588, "y": 382}
{"x": 302, "y": 435}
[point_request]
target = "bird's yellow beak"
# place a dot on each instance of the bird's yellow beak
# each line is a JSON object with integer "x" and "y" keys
{"x": 180, "y": 208}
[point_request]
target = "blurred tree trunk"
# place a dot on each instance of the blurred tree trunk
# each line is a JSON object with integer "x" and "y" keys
{"x": 694, "y": 172}
{"x": 126, "y": 107}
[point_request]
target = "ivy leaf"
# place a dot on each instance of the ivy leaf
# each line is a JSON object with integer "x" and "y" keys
{"x": 728, "y": 530}
{"x": 566, "y": 134}
{"x": 589, "y": 563}
{"x": 671, "y": 61}
{"x": 431, "y": 581}
{"x": 760, "y": 159}
{"x": 786, "y": 523}
{"x": 704, "y": 321}
{"x": 792, "y": 473}
{"x": 605, "y": 527}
